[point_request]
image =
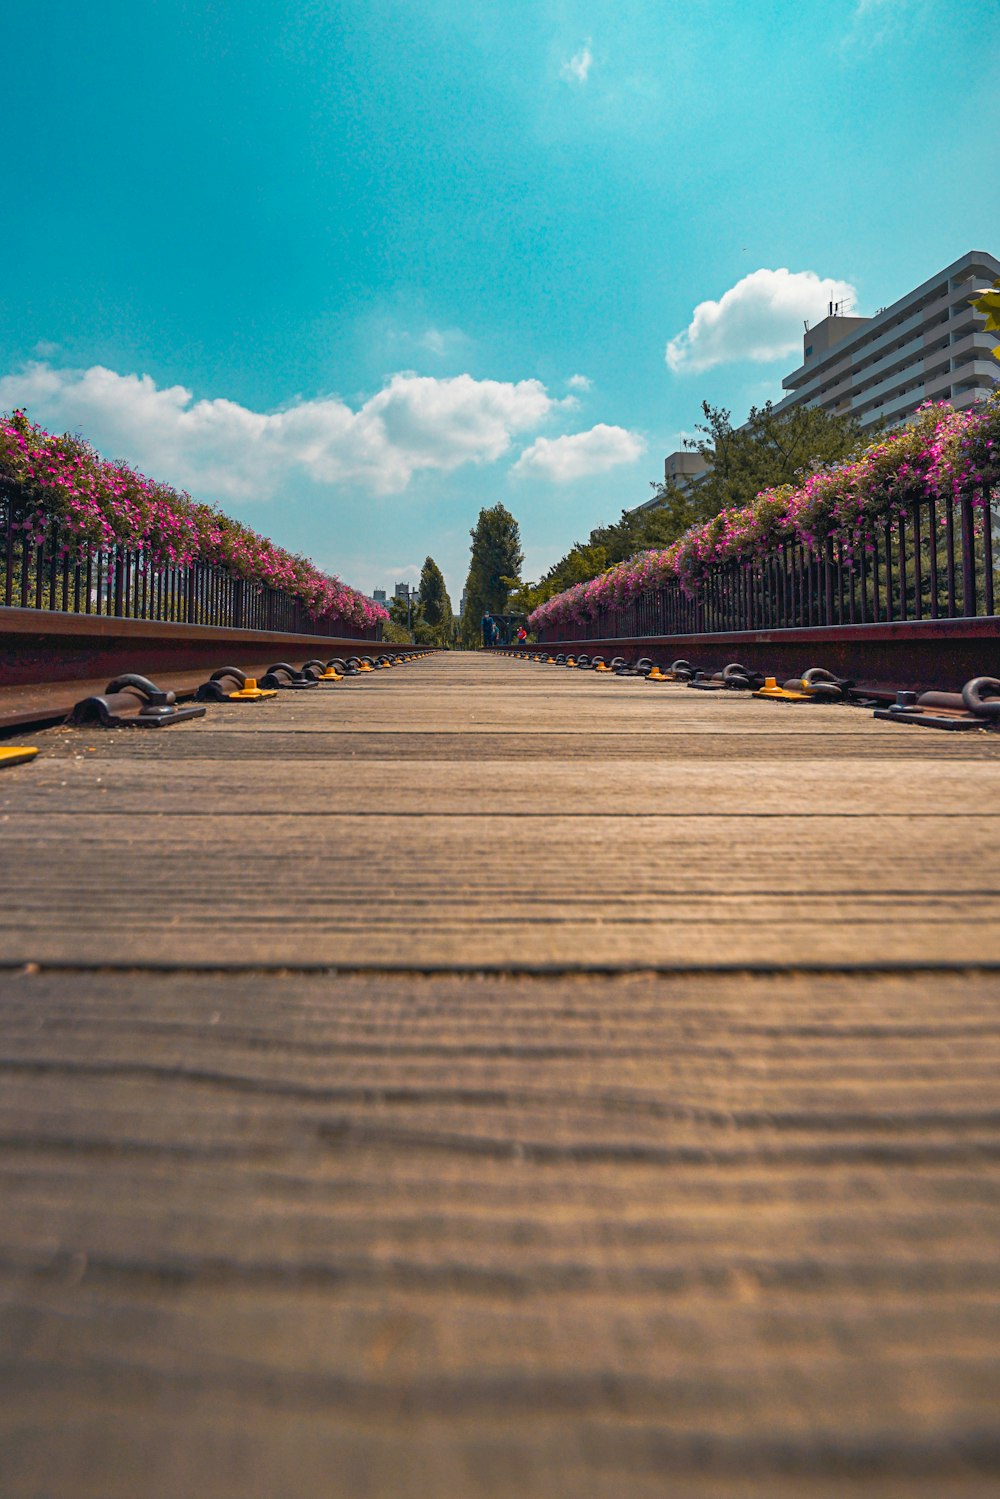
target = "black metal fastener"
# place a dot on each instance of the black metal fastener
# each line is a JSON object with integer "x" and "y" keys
{"x": 946, "y": 710}
{"x": 286, "y": 678}
{"x": 131, "y": 701}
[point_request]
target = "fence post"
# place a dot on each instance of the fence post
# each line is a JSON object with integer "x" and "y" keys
{"x": 968, "y": 558}
{"x": 119, "y": 582}
{"x": 828, "y": 579}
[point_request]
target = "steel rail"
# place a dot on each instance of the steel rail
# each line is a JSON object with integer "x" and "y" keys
{"x": 50, "y": 660}
{"x": 918, "y": 655}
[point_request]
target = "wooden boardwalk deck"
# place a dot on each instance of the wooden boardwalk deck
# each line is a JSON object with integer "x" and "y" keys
{"x": 483, "y": 1079}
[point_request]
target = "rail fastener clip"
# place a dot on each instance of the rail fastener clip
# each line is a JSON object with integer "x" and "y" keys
{"x": 977, "y": 706}
{"x": 322, "y": 671}
{"x": 132, "y": 701}
{"x": 790, "y": 692}
{"x": 231, "y": 685}
{"x": 16, "y": 754}
{"x": 285, "y": 678}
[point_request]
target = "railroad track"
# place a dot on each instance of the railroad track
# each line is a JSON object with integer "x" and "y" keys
{"x": 917, "y": 655}
{"x": 50, "y": 662}
{"x": 940, "y": 673}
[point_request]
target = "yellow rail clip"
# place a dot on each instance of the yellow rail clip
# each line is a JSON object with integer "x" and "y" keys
{"x": 250, "y": 692}
{"x": 17, "y": 754}
{"x": 784, "y": 694}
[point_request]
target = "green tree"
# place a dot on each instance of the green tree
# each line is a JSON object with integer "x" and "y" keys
{"x": 406, "y": 618}
{"x": 771, "y": 448}
{"x": 636, "y": 531}
{"x": 493, "y": 570}
{"x": 394, "y": 633}
{"x": 435, "y": 604}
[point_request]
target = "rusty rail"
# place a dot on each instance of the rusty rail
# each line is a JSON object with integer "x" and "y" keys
{"x": 48, "y": 660}
{"x": 914, "y": 655}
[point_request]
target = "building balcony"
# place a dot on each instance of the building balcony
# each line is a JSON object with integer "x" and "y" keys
{"x": 885, "y": 390}
{"x": 982, "y": 375}
{"x": 906, "y": 357}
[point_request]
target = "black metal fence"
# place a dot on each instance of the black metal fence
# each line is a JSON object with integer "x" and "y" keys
{"x": 934, "y": 562}
{"x": 38, "y": 572}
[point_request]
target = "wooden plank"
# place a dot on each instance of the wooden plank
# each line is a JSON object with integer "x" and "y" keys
{"x": 724, "y": 1234}
{"x": 380, "y": 1232}
{"x": 252, "y": 843}
{"x": 378, "y": 788}
{"x": 311, "y": 888}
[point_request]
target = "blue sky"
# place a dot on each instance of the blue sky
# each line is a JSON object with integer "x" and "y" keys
{"x": 355, "y": 269}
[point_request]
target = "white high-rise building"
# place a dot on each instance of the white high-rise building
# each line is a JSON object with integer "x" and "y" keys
{"x": 929, "y": 345}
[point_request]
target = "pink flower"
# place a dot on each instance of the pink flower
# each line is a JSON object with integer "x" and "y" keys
{"x": 98, "y": 504}
{"x": 944, "y": 454}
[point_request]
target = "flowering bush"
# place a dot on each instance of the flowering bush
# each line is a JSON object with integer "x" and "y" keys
{"x": 98, "y": 504}
{"x": 942, "y": 453}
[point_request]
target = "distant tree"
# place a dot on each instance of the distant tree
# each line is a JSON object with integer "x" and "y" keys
{"x": 394, "y": 633}
{"x": 407, "y": 618}
{"x": 493, "y": 570}
{"x": 636, "y": 531}
{"x": 425, "y": 634}
{"x": 434, "y": 601}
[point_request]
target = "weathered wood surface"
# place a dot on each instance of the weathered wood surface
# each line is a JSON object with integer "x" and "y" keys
{"x": 541, "y": 1231}
{"x": 624, "y": 824}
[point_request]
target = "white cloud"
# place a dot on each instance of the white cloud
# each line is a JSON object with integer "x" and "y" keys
{"x": 563, "y": 459}
{"x": 400, "y": 572}
{"x": 578, "y": 382}
{"x": 577, "y": 68}
{"x": 760, "y": 318}
{"x": 400, "y": 341}
{"x": 435, "y": 341}
{"x": 875, "y": 21}
{"x": 443, "y": 342}
{"x": 217, "y": 448}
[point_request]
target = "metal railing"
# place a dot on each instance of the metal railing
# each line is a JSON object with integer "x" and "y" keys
{"x": 936, "y": 561}
{"x": 37, "y": 571}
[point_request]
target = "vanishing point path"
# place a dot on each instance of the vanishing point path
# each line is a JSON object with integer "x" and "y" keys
{"x": 484, "y": 1079}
